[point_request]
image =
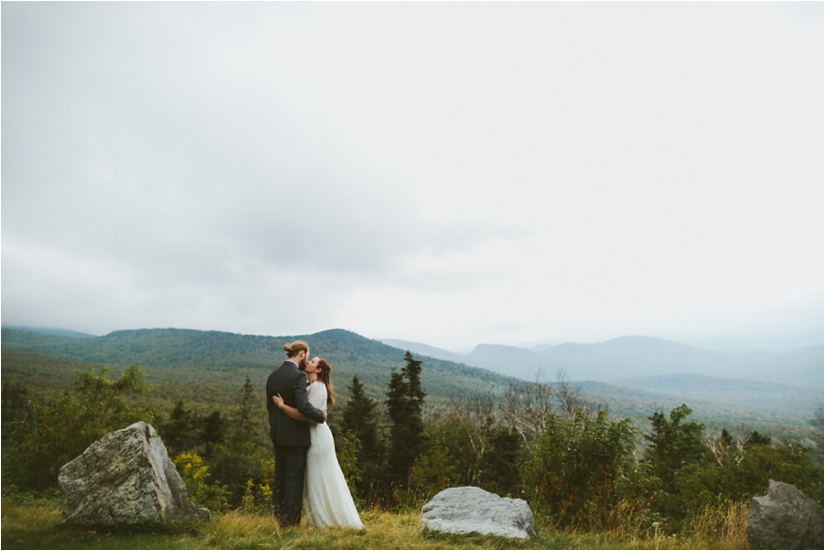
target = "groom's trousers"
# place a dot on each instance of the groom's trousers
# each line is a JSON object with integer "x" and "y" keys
{"x": 288, "y": 486}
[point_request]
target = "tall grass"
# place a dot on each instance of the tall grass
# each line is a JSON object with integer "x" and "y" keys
{"x": 718, "y": 527}
{"x": 37, "y": 526}
{"x": 721, "y": 527}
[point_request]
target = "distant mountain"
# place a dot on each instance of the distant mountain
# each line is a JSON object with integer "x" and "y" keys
{"x": 803, "y": 366}
{"x": 200, "y": 363}
{"x": 219, "y": 352}
{"x": 543, "y": 347}
{"x": 426, "y": 350}
{"x": 519, "y": 362}
{"x": 628, "y": 357}
{"x": 66, "y": 333}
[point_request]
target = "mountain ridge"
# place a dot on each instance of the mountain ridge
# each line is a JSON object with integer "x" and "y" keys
{"x": 613, "y": 360}
{"x": 639, "y": 356}
{"x": 169, "y": 348}
{"x": 209, "y": 357}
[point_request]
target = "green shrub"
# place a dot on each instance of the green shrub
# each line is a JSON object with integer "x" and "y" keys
{"x": 500, "y": 463}
{"x": 432, "y": 472}
{"x": 575, "y": 469}
{"x": 62, "y": 430}
{"x": 347, "y": 447}
{"x": 738, "y": 475}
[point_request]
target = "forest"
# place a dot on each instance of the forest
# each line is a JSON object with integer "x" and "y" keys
{"x": 579, "y": 467}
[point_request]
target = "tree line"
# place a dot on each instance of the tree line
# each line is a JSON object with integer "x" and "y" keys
{"x": 575, "y": 464}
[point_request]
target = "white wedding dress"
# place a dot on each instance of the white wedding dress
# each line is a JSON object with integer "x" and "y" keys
{"x": 327, "y": 500}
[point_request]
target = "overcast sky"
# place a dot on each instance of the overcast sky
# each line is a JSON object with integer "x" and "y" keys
{"x": 451, "y": 174}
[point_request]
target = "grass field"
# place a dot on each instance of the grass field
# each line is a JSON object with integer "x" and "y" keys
{"x": 36, "y": 525}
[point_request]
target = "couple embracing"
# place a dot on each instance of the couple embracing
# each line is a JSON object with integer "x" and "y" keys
{"x": 306, "y": 467}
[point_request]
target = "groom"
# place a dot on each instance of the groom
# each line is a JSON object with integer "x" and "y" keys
{"x": 290, "y": 437}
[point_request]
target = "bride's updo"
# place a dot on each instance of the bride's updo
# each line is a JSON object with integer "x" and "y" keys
{"x": 294, "y": 348}
{"x": 323, "y": 368}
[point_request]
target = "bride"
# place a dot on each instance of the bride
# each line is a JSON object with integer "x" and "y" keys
{"x": 327, "y": 500}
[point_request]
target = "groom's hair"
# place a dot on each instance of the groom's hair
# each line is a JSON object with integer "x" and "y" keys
{"x": 293, "y": 349}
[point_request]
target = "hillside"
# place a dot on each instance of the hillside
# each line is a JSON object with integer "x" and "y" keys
{"x": 54, "y": 332}
{"x": 213, "y": 355}
{"x": 207, "y": 369}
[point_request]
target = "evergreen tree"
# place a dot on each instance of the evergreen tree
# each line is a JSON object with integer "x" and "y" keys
{"x": 726, "y": 438}
{"x": 405, "y": 401}
{"x": 178, "y": 431}
{"x": 212, "y": 433}
{"x": 15, "y": 405}
{"x": 673, "y": 444}
{"x": 499, "y": 464}
{"x": 237, "y": 459}
{"x": 358, "y": 417}
{"x": 756, "y": 439}
{"x": 243, "y": 417}
{"x": 359, "y": 413}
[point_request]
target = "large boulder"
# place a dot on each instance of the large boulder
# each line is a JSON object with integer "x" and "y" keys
{"x": 470, "y": 510}
{"x": 784, "y": 518}
{"x": 126, "y": 477}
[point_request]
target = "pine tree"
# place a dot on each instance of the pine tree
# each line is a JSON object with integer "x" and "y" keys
{"x": 243, "y": 417}
{"x": 405, "y": 401}
{"x": 237, "y": 459}
{"x": 673, "y": 443}
{"x": 212, "y": 433}
{"x": 499, "y": 464}
{"x": 727, "y": 438}
{"x": 177, "y": 432}
{"x": 359, "y": 414}
{"x": 756, "y": 439}
{"x": 15, "y": 404}
{"x": 358, "y": 417}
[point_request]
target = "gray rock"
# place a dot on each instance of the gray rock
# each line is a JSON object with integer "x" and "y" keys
{"x": 784, "y": 518}
{"x": 126, "y": 477}
{"x": 470, "y": 510}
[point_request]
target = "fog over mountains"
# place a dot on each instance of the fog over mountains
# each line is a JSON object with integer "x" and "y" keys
{"x": 643, "y": 363}
{"x": 630, "y": 375}
{"x": 636, "y": 362}
{"x": 641, "y": 369}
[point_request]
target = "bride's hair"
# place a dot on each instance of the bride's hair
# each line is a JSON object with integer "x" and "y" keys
{"x": 293, "y": 349}
{"x": 323, "y": 376}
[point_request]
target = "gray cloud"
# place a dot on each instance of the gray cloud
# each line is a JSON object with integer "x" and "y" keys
{"x": 154, "y": 142}
{"x": 278, "y": 167}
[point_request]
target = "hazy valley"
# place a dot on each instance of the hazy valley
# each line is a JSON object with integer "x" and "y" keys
{"x": 630, "y": 376}
{"x": 755, "y": 385}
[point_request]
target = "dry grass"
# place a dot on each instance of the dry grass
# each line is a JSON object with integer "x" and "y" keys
{"x": 712, "y": 528}
{"x": 30, "y": 526}
{"x": 720, "y": 528}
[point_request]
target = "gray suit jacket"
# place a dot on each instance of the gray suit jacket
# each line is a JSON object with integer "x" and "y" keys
{"x": 291, "y": 384}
